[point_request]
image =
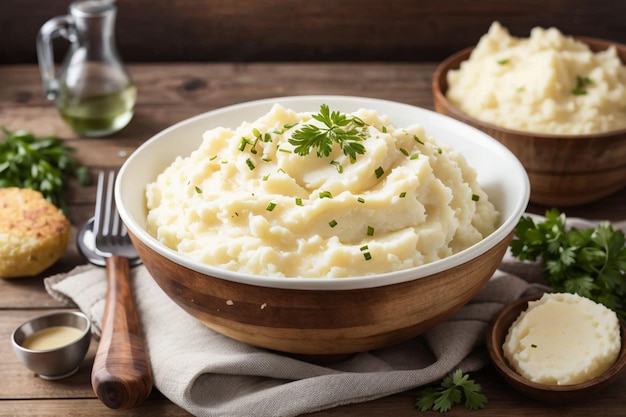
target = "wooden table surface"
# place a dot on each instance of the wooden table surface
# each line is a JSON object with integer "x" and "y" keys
{"x": 169, "y": 93}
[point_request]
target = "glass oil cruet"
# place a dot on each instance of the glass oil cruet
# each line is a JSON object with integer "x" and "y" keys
{"x": 93, "y": 90}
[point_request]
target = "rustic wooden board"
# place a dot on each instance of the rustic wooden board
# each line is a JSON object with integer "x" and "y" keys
{"x": 324, "y": 30}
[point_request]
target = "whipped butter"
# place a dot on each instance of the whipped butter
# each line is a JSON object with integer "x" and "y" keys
{"x": 563, "y": 339}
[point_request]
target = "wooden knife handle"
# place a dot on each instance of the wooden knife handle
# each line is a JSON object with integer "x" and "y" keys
{"x": 121, "y": 376}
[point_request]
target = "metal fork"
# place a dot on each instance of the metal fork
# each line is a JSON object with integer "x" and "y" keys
{"x": 121, "y": 376}
{"x": 110, "y": 232}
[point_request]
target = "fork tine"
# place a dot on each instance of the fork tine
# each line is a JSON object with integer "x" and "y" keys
{"x": 111, "y": 235}
{"x": 104, "y": 212}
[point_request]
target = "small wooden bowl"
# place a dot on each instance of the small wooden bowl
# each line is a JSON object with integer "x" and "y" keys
{"x": 564, "y": 170}
{"x": 496, "y": 334}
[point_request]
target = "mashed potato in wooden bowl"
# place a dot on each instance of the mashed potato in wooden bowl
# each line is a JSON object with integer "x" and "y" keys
{"x": 384, "y": 195}
{"x": 265, "y": 199}
{"x": 546, "y": 83}
{"x": 557, "y": 102}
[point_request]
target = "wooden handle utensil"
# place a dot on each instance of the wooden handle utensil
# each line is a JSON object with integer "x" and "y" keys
{"x": 121, "y": 375}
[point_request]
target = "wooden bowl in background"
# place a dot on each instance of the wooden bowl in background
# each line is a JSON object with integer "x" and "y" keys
{"x": 564, "y": 170}
{"x": 496, "y": 334}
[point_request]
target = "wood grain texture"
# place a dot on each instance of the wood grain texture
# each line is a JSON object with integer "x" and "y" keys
{"x": 324, "y": 30}
{"x": 322, "y": 322}
{"x": 163, "y": 100}
{"x": 121, "y": 376}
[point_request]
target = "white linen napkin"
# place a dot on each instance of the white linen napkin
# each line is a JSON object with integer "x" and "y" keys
{"x": 209, "y": 374}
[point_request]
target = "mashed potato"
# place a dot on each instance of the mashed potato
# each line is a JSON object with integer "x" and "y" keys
{"x": 246, "y": 201}
{"x": 563, "y": 339}
{"x": 548, "y": 83}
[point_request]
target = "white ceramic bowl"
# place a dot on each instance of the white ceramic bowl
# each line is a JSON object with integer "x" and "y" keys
{"x": 500, "y": 174}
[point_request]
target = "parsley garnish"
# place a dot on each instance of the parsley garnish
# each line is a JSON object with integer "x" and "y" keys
{"x": 340, "y": 128}
{"x": 454, "y": 388}
{"x": 581, "y": 83}
{"x": 590, "y": 262}
{"x": 42, "y": 164}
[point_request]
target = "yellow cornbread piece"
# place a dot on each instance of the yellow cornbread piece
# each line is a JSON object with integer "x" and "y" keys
{"x": 33, "y": 233}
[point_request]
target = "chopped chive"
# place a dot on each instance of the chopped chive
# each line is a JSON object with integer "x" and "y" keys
{"x": 384, "y": 129}
{"x": 326, "y": 194}
{"x": 533, "y": 345}
{"x": 367, "y": 256}
{"x": 503, "y": 61}
{"x": 284, "y": 150}
{"x": 475, "y": 197}
{"x": 338, "y": 165}
{"x": 266, "y": 159}
{"x": 360, "y": 200}
{"x": 256, "y": 132}
{"x": 404, "y": 151}
{"x": 439, "y": 151}
{"x": 212, "y": 158}
{"x": 417, "y": 139}
{"x": 379, "y": 172}
{"x": 332, "y": 223}
{"x": 298, "y": 201}
{"x": 581, "y": 83}
{"x": 290, "y": 125}
{"x": 198, "y": 190}
{"x": 266, "y": 177}
{"x": 364, "y": 248}
{"x": 250, "y": 164}
{"x": 271, "y": 206}
{"x": 402, "y": 194}
{"x": 415, "y": 156}
{"x": 370, "y": 231}
{"x": 243, "y": 144}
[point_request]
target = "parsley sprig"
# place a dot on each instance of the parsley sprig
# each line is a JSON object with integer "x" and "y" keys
{"x": 42, "y": 164}
{"x": 455, "y": 388}
{"x": 590, "y": 262}
{"x": 340, "y": 128}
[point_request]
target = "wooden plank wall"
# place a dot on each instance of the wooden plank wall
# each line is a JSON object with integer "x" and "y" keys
{"x": 303, "y": 30}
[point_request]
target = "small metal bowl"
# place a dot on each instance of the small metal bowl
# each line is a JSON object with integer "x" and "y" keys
{"x": 59, "y": 362}
{"x": 556, "y": 394}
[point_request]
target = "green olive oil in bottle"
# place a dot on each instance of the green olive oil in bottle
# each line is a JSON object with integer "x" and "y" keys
{"x": 93, "y": 91}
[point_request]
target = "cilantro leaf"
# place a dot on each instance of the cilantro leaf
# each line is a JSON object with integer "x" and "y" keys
{"x": 590, "y": 262}
{"x": 454, "y": 388}
{"x": 340, "y": 128}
